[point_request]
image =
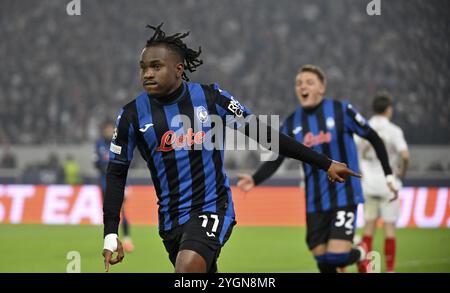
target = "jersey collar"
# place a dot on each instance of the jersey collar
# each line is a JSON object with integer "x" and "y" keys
{"x": 172, "y": 98}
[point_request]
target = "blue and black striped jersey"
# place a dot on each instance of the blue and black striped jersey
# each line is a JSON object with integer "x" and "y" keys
{"x": 189, "y": 180}
{"x": 329, "y": 129}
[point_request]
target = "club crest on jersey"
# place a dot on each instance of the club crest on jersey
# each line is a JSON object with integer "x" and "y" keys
{"x": 330, "y": 123}
{"x": 202, "y": 114}
{"x": 297, "y": 130}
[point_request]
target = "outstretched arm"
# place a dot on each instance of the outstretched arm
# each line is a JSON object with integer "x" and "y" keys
{"x": 289, "y": 147}
{"x": 267, "y": 170}
{"x": 247, "y": 182}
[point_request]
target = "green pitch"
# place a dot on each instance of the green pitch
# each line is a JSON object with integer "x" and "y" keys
{"x": 42, "y": 248}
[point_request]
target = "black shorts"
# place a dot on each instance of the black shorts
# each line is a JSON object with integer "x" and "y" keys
{"x": 334, "y": 224}
{"x": 203, "y": 233}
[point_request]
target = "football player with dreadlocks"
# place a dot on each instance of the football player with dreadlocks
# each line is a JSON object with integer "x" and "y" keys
{"x": 196, "y": 213}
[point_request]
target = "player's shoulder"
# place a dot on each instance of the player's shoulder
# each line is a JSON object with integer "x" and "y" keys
{"x": 210, "y": 91}
{"x": 214, "y": 86}
{"x": 290, "y": 120}
{"x": 395, "y": 128}
{"x": 216, "y": 89}
{"x": 132, "y": 103}
{"x": 215, "y": 92}
{"x": 345, "y": 103}
{"x": 297, "y": 110}
{"x": 342, "y": 105}
{"x": 351, "y": 110}
{"x": 129, "y": 110}
{"x": 192, "y": 85}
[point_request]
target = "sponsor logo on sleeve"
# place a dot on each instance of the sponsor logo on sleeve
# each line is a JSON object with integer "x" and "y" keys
{"x": 235, "y": 108}
{"x": 115, "y": 149}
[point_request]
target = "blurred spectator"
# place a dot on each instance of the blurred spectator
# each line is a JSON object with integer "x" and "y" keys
{"x": 8, "y": 160}
{"x": 31, "y": 174}
{"x": 65, "y": 71}
{"x": 436, "y": 167}
{"x": 101, "y": 155}
{"x": 49, "y": 172}
{"x": 71, "y": 171}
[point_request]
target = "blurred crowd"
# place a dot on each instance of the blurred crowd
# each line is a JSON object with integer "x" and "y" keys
{"x": 63, "y": 75}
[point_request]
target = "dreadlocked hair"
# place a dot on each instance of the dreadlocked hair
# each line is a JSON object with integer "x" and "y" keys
{"x": 175, "y": 43}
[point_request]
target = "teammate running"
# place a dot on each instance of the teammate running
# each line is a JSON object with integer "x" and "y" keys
{"x": 326, "y": 126}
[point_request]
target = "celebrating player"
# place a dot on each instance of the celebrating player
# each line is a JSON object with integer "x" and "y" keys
{"x": 101, "y": 163}
{"x": 196, "y": 213}
{"x": 326, "y": 126}
{"x": 379, "y": 200}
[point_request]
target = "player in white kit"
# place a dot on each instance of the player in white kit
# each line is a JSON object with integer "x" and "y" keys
{"x": 380, "y": 202}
